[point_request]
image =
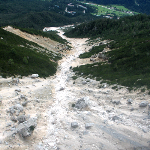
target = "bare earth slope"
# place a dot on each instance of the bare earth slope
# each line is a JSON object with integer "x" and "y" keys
{"x": 101, "y": 120}
{"x": 42, "y": 41}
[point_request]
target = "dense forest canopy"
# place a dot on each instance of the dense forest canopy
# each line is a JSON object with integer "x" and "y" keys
{"x": 38, "y": 14}
{"x": 142, "y": 6}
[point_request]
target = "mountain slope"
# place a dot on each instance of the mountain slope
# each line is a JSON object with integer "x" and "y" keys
{"x": 38, "y": 14}
{"x": 129, "y": 59}
{"x": 19, "y": 56}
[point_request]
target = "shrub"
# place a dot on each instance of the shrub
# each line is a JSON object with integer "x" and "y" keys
{"x": 11, "y": 62}
{"x": 25, "y": 60}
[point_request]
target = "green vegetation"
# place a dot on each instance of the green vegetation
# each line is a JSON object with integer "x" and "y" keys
{"x": 141, "y": 6}
{"x": 18, "y": 57}
{"x": 94, "y": 50}
{"x": 74, "y": 77}
{"x": 129, "y": 60}
{"x": 111, "y": 10}
{"x": 38, "y": 14}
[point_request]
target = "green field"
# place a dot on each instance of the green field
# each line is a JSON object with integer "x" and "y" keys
{"x": 111, "y": 10}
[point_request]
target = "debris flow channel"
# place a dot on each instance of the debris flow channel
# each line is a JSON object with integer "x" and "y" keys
{"x": 89, "y": 115}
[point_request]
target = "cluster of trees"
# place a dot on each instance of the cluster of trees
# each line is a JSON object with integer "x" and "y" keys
{"x": 130, "y": 56}
{"x": 130, "y": 26}
{"x": 38, "y": 14}
{"x": 142, "y": 6}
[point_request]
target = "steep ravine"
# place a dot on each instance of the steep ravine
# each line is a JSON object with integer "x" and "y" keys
{"x": 107, "y": 123}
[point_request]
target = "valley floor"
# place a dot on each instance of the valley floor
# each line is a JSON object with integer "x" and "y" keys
{"x": 105, "y": 122}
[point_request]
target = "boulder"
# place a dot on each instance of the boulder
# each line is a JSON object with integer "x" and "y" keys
{"x": 84, "y": 82}
{"x": 114, "y": 118}
{"x": 94, "y": 56}
{"x": 116, "y": 102}
{"x": 25, "y": 103}
{"x": 129, "y": 101}
{"x": 17, "y": 108}
{"x": 11, "y": 110}
{"x": 14, "y": 119}
{"x": 143, "y": 104}
{"x": 26, "y": 128}
{"x": 82, "y": 103}
{"x": 61, "y": 89}
{"x": 92, "y": 59}
{"x": 21, "y": 118}
{"x": 18, "y": 90}
{"x": 74, "y": 124}
{"x": 34, "y": 76}
{"x": 23, "y": 97}
{"x": 88, "y": 125}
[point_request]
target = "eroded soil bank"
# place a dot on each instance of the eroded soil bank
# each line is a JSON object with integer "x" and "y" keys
{"x": 79, "y": 114}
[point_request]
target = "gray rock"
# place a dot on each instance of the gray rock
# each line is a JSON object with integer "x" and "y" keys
{"x": 15, "y": 109}
{"x": 82, "y": 103}
{"x": 94, "y": 56}
{"x": 74, "y": 124}
{"x": 116, "y": 102}
{"x": 61, "y": 89}
{"x": 21, "y": 118}
{"x": 14, "y": 119}
{"x": 129, "y": 101}
{"x": 84, "y": 82}
{"x": 15, "y": 80}
{"x": 101, "y": 55}
{"x": 25, "y": 103}
{"x": 23, "y": 97}
{"x": 92, "y": 59}
{"x": 143, "y": 104}
{"x": 11, "y": 110}
{"x": 149, "y": 106}
{"x": 26, "y": 128}
{"x": 114, "y": 118}
{"x": 18, "y": 107}
{"x": 17, "y": 90}
{"x": 131, "y": 109}
{"x": 88, "y": 125}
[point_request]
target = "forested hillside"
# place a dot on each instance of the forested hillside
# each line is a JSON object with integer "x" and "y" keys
{"x": 142, "y": 6}
{"x": 129, "y": 58}
{"x": 38, "y": 14}
{"x": 22, "y": 57}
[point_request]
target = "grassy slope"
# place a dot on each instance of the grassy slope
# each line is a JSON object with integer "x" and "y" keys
{"x": 130, "y": 58}
{"x": 141, "y": 6}
{"x": 18, "y": 58}
{"x": 105, "y": 10}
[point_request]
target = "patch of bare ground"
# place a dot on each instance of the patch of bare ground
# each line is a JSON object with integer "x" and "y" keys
{"x": 35, "y": 96}
{"x": 41, "y": 41}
